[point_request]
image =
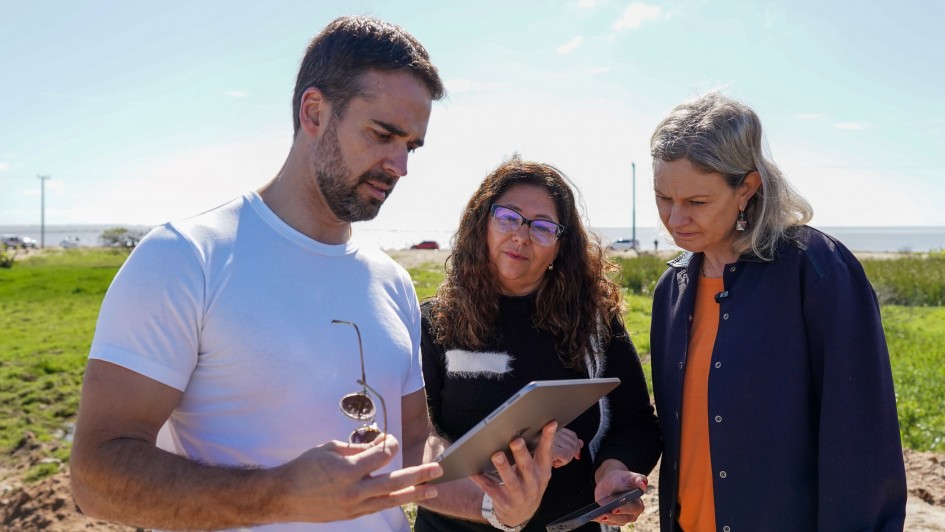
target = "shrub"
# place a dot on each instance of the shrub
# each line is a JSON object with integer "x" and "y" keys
{"x": 916, "y": 280}
{"x": 6, "y": 259}
{"x": 120, "y": 237}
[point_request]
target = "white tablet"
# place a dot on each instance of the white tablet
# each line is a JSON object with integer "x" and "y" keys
{"x": 523, "y": 415}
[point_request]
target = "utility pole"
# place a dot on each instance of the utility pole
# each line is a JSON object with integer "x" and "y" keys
{"x": 42, "y": 210}
{"x": 634, "y": 210}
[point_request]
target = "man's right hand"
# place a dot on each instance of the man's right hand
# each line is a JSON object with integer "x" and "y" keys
{"x": 334, "y": 482}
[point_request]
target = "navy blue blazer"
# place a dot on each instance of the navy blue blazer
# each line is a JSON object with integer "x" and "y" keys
{"x": 803, "y": 430}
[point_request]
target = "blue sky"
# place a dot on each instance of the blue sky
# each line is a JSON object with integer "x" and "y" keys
{"x": 143, "y": 112}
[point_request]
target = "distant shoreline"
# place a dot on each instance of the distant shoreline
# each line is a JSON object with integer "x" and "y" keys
{"x": 412, "y": 258}
{"x": 892, "y": 239}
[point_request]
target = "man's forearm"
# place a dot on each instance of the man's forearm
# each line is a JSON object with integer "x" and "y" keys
{"x": 133, "y": 482}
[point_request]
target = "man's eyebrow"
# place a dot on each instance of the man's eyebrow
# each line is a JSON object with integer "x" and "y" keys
{"x": 396, "y": 131}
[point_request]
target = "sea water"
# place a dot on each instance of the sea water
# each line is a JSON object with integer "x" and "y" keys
{"x": 862, "y": 239}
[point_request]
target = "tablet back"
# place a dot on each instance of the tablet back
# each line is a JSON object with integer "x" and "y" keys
{"x": 523, "y": 415}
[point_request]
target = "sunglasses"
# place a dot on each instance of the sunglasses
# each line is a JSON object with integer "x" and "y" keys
{"x": 359, "y": 406}
{"x": 542, "y": 232}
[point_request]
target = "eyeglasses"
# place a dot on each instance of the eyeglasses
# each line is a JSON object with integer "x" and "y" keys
{"x": 542, "y": 232}
{"x": 359, "y": 406}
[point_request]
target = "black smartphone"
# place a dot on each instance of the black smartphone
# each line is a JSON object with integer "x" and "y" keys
{"x": 595, "y": 509}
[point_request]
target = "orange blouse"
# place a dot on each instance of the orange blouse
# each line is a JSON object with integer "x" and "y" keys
{"x": 696, "y": 498}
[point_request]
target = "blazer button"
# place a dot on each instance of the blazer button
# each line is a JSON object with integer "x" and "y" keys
{"x": 680, "y": 365}
{"x": 718, "y": 364}
{"x": 690, "y": 317}
{"x": 732, "y": 269}
{"x": 718, "y": 419}
{"x": 727, "y": 528}
{"x": 725, "y": 316}
{"x": 677, "y": 414}
{"x": 722, "y": 474}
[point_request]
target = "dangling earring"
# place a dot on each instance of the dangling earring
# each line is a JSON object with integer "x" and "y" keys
{"x": 741, "y": 224}
{"x": 551, "y": 266}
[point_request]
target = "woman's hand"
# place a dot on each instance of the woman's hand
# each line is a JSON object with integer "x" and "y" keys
{"x": 567, "y": 446}
{"x": 613, "y": 477}
{"x": 519, "y": 488}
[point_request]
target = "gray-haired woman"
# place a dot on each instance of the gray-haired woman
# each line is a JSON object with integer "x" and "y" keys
{"x": 770, "y": 367}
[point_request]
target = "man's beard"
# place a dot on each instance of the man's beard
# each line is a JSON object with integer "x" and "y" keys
{"x": 332, "y": 176}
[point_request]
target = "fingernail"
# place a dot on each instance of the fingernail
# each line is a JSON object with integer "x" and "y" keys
{"x": 499, "y": 458}
{"x": 430, "y": 493}
{"x": 437, "y": 472}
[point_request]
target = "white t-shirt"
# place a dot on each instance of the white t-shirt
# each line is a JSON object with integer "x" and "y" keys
{"x": 234, "y": 308}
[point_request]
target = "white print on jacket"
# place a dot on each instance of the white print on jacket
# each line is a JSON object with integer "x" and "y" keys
{"x": 473, "y": 364}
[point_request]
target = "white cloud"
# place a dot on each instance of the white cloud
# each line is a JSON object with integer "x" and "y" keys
{"x": 635, "y": 14}
{"x": 4, "y": 167}
{"x": 587, "y": 4}
{"x": 854, "y": 126}
{"x": 570, "y": 45}
{"x": 237, "y": 94}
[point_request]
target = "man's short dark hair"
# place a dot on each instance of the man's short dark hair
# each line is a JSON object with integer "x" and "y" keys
{"x": 349, "y": 47}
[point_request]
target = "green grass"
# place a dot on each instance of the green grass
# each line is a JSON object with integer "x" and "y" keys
{"x": 916, "y": 340}
{"x": 48, "y": 308}
{"x": 426, "y": 278}
{"x": 49, "y": 304}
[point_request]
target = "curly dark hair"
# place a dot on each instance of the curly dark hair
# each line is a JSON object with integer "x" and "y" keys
{"x": 578, "y": 298}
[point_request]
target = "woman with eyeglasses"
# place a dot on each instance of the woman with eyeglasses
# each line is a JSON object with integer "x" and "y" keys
{"x": 529, "y": 295}
{"x": 770, "y": 367}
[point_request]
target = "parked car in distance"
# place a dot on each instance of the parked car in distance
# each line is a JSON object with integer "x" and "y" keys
{"x": 426, "y": 244}
{"x": 70, "y": 242}
{"x": 624, "y": 244}
{"x": 15, "y": 241}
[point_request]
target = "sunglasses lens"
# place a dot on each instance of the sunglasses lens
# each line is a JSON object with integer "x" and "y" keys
{"x": 365, "y": 434}
{"x": 358, "y": 406}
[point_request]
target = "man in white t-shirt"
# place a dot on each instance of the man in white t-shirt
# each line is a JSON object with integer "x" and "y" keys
{"x": 227, "y": 341}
